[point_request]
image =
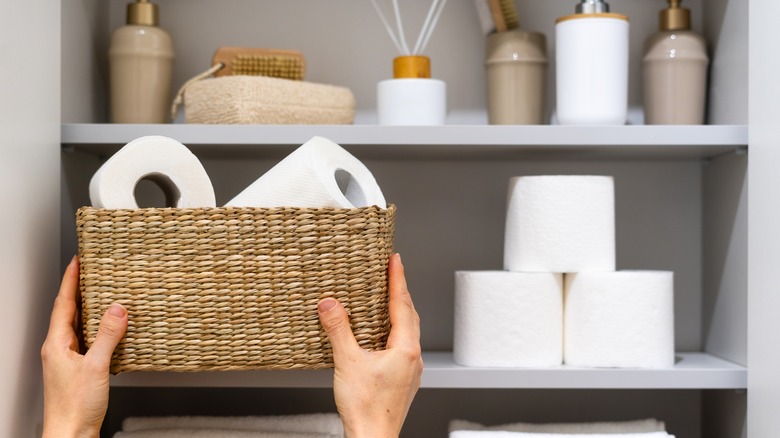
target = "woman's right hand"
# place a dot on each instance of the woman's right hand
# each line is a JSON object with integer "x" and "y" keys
{"x": 374, "y": 389}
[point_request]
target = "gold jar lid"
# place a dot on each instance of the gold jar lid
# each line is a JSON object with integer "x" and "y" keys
{"x": 675, "y": 17}
{"x": 142, "y": 13}
{"x": 413, "y": 66}
{"x": 596, "y": 15}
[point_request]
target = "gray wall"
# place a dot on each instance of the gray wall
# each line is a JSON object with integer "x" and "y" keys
{"x": 29, "y": 175}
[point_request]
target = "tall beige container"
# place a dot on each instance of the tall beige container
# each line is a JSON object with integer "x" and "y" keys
{"x": 516, "y": 68}
{"x": 675, "y": 71}
{"x": 141, "y": 63}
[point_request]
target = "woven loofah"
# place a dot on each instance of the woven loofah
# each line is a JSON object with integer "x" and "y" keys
{"x": 233, "y": 288}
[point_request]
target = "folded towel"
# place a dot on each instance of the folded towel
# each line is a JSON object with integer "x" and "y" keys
{"x": 504, "y": 434}
{"x": 635, "y": 426}
{"x": 328, "y": 425}
{"x": 213, "y": 433}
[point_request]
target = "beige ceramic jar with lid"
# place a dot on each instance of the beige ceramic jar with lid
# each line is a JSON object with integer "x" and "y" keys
{"x": 516, "y": 69}
{"x": 141, "y": 63}
{"x": 675, "y": 71}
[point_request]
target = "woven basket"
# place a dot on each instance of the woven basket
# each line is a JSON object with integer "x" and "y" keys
{"x": 233, "y": 288}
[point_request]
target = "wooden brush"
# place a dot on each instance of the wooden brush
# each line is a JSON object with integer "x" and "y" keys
{"x": 497, "y": 15}
{"x": 285, "y": 64}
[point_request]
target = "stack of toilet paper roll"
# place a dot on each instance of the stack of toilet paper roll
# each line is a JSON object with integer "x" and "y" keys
{"x": 559, "y": 298}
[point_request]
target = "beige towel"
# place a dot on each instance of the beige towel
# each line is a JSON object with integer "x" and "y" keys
{"x": 613, "y": 427}
{"x": 213, "y": 433}
{"x": 328, "y": 425}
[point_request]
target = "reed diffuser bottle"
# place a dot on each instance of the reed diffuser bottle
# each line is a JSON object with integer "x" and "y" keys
{"x": 412, "y": 97}
{"x": 674, "y": 71}
{"x": 592, "y": 66}
{"x": 140, "y": 63}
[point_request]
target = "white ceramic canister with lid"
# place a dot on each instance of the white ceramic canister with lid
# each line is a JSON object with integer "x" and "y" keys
{"x": 592, "y": 68}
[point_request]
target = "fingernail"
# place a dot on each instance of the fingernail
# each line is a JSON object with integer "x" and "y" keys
{"x": 326, "y": 304}
{"x": 117, "y": 310}
{"x": 73, "y": 260}
{"x": 398, "y": 254}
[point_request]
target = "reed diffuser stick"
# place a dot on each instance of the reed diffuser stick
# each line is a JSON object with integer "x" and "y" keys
{"x": 387, "y": 26}
{"x": 398, "y": 36}
{"x": 400, "y": 25}
{"x": 428, "y": 31}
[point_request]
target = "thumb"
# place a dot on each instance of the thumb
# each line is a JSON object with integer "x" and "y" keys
{"x": 111, "y": 329}
{"x": 335, "y": 321}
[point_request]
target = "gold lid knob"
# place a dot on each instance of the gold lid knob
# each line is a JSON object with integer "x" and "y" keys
{"x": 675, "y": 17}
{"x": 405, "y": 67}
{"x": 142, "y": 13}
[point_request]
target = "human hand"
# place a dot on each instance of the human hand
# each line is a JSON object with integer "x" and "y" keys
{"x": 75, "y": 386}
{"x": 374, "y": 389}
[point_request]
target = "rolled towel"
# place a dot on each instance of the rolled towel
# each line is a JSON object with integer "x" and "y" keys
{"x": 213, "y": 433}
{"x": 633, "y": 426}
{"x": 327, "y": 424}
{"x": 504, "y": 434}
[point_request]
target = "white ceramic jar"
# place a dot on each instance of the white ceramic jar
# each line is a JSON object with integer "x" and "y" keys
{"x": 592, "y": 69}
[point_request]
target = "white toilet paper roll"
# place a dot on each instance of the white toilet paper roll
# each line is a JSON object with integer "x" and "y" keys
{"x": 319, "y": 173}
{"x": 508, "y": 319}
{"x": 560, "y": 223}
{"x": 621, "y": 319}
{"x": 163, "y": 160}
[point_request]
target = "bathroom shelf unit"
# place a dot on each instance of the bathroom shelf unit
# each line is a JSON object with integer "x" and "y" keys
{"x": 415, "y": 142}
{"x": 681, "y": 204}
{"x": 693, "y": 371}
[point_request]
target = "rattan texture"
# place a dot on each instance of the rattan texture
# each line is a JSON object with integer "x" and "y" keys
{"x": 233, "y": 288}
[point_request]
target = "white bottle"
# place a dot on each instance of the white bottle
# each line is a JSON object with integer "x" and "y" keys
{"x": 592, "y": 66}
{"x": 412, "y": 97}
{"x": 141, "y": 65}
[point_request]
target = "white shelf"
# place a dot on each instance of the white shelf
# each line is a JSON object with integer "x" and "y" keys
{"x": 451, "y": 141}
{"x": 692, "y": 371}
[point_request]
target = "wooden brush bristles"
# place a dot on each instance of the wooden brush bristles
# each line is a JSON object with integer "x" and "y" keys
{"x": 285, "y": 64}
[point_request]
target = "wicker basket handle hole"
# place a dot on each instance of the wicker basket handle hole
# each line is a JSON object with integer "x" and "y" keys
{"x": 350, "y": 187}
{"x": 156, "y": 190}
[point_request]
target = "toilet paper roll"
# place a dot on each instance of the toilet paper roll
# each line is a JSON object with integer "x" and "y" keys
{"x": 319, "y": 173}
{"x": 622, "y": 319}
{"x": 560, "y": 223}
{"x": 508, "y": 319}
{"x": 163, "y": 160}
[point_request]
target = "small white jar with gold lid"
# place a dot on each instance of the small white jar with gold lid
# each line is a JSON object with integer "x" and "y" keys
{"x": 412, "y": 97}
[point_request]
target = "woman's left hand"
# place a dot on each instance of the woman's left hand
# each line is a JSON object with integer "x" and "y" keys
{"x": 75, "y": 386}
